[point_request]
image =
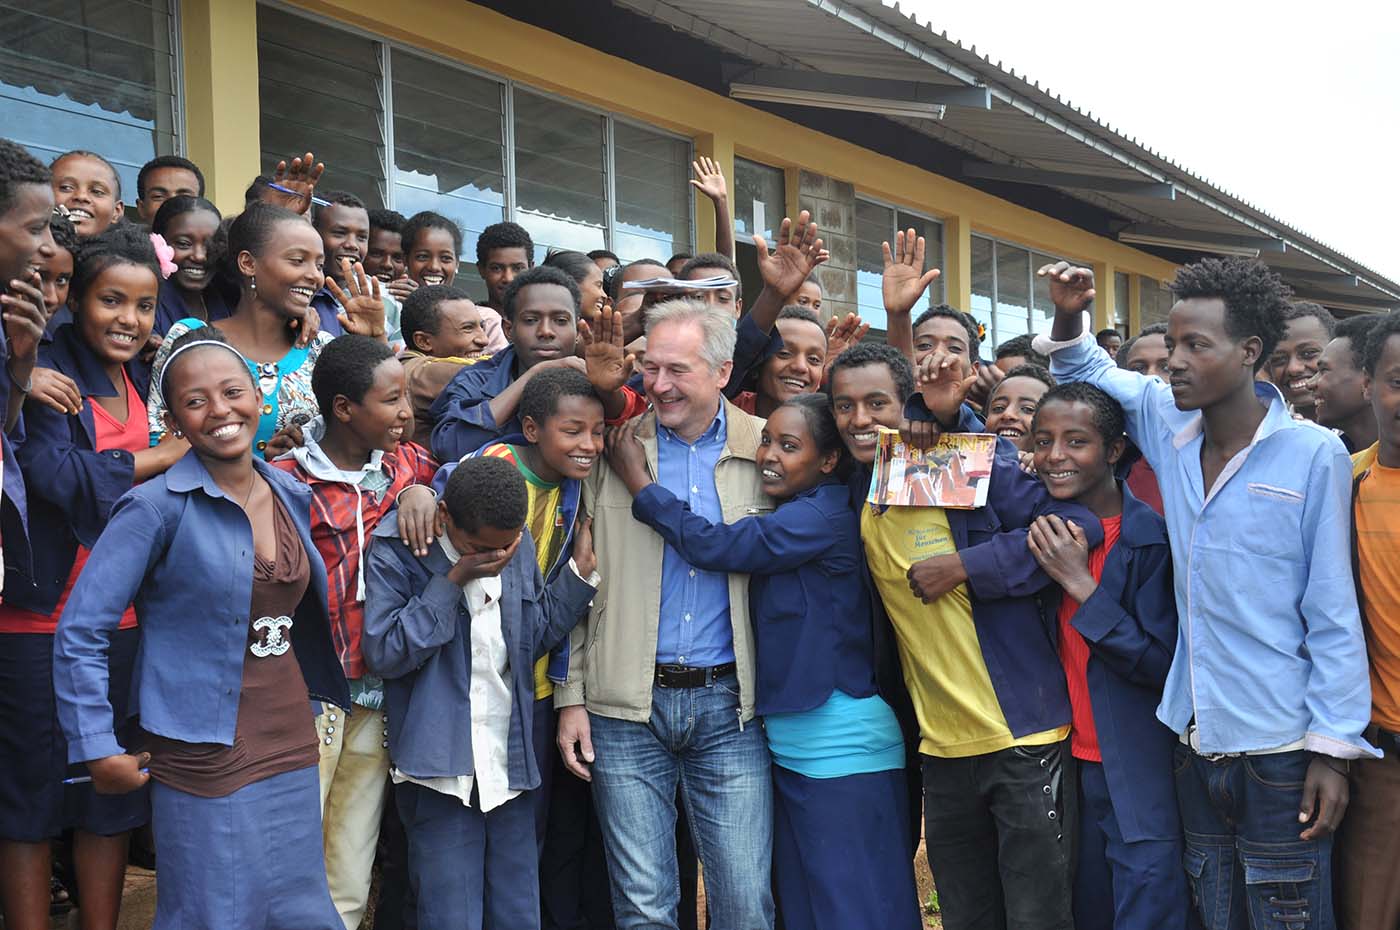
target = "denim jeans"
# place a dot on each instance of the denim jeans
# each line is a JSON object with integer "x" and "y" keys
{"x": 1245, "y": 863}
{"x": 693, "y": 739}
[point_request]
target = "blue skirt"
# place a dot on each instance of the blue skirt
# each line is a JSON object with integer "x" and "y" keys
{"x": 35, "y": 805}
{"x": 251, "y": 860}
{"x": 842, "y": 855}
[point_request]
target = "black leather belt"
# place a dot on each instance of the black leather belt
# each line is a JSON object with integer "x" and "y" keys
{"x": 683, "y": 676}
{"x": 1389, "y": 742}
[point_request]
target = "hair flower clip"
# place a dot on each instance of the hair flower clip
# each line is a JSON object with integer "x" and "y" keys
{"x": 166, "y": 255}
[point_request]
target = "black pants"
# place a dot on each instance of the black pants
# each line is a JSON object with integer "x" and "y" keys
{"x": 574, "y": 885}
{"x": 996, "y": 838}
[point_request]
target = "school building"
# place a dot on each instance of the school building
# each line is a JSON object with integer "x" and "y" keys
{"x": 579, "y": 119}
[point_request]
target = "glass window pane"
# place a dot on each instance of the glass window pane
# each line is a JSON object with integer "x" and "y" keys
{"x": 652, "y": 193}
{"x": 983, "y": 283}
{"x": 559, "y": 174}
{"x": 449, "y": 150}
{"x": 874, "y": 227}
{"x": 1156, "y": 301}
{"x": 759, "y": 199}
{"x": 932, "y": 231}
{"x": 1013, "y": 292}
{"x": 89, "y": 74}
{"x": 319, "y": 88}
{"x": 1120, "y": 301}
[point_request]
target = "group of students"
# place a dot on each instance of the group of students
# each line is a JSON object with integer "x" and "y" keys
{"x": 314, "y": 562}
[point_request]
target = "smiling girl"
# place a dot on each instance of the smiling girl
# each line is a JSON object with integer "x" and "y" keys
{"x": 278, "y": 257}
{"x": 89, "y": 187}
{"x": 188, "y": 224}
{"x": 216, "y": 554}
{"x": 838, "y": 774}
{"x": 76, "y": 466}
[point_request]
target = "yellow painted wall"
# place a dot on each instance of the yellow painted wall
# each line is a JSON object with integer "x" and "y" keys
{"x": 725, "y": 128}
{"x": 219, "y": 45}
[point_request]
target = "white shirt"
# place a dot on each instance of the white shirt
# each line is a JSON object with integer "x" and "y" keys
{"x": 490, "y": 699}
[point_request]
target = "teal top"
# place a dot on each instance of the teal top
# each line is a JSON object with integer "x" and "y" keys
{"x": 844, "y": 736}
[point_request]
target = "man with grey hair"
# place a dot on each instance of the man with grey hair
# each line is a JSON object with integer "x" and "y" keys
{"x": 661, "y": 680}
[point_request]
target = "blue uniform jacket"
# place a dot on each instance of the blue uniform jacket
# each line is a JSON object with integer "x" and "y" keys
{"x": 418, "y": 638}
{"x": 179, "y": 549}
{"x": 1129, "y": 623}
{"x": 72, "y": 487}
{"x": 14, "y": 504}
{"x": 810, "y": 606}
{"x": 462, "y": 412}
{"x": 171, "y": 307}
{"x": 1019, "y": 641}
{"x": 558, "y": 669}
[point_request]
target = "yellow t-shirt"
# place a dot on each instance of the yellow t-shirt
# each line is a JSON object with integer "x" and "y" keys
{"x": 1378, "y": 561}
{"x": 939, "y": 652}
{"x": 545, "y": 521}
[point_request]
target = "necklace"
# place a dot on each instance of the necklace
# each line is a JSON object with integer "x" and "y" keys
{"x": 252, "y": 485}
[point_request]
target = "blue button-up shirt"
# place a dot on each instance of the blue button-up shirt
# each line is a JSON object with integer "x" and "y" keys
{"x": 695, "y": 627}
{"x": 1269, "y": 646}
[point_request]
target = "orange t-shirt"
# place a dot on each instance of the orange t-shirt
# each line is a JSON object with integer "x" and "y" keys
{"x": 1378, "y": 557}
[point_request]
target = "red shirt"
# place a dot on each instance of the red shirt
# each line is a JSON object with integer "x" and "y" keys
{"x": 1074, "y": 655}
{"x": 109, "y": 433}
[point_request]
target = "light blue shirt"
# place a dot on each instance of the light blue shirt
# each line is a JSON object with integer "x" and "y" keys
{"x": 695, "y": 627}
{"x": 1269, "y": 648}
{"x": 842, "y": 736}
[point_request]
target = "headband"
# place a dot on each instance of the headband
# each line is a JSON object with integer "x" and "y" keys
{"x": 197, "y": 344}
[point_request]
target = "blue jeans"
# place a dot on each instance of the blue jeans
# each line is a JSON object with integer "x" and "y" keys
{"x": 693, "y": 739}
{"x": 1245, "y": 863}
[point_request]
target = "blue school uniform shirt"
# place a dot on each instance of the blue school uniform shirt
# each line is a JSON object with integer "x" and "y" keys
{"x": 694, "y": 628}
{"x": 1269, "y": 648}
{"x": 462, "y": 412}
{"x": 171, "y": 306}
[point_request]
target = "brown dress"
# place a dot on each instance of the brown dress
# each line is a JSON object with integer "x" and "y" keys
{"x": 276, "y": 731}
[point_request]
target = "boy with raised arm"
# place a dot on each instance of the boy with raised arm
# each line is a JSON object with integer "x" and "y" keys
{"x": 1268, "y": 687}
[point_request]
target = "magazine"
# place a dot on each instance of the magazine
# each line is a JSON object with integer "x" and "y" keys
{"x": 955, "y": 473}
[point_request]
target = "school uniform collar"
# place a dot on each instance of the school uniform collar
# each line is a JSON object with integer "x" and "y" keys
{"x": 189, "y": 474}
{"x": 1276, "y": 417}
{"x": 1140, "y": 525}
{"x": 76, "y": 359}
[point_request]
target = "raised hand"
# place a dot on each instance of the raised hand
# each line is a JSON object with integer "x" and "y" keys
{"x": 841, "y": 334}
{"x": 799, "y": 250}
{"x": 1071, "y": 287}
{"x": 300, "y": 178}
{"x": 1063, "y": 552}
{"x": 709, "y": 179}
{"x": 306, "y": 328}
{"x": 363, "y": 312}
{"x": 609, "y": 365}
{"x": 943, "y": 380}
{"x": 905, "y": 280}
{"x": 482, "y": 564}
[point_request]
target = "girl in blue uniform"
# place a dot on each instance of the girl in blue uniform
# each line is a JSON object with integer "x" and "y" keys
{"x": 842, "y": 849}
{"x": 216, "y": 554}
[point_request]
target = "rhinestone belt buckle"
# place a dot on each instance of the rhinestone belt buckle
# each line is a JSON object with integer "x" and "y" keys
{"x": 274, "y": 641}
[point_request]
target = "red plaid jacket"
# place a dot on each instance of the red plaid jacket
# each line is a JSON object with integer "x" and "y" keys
{"x": 333, "y": 506}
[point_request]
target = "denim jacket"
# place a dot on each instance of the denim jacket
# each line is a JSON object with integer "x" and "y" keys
{"x": 72, "y": 487}
{"x": 418, "y": 638}
{"x": 558, "y": 670}
{"x": 182, "y": 552}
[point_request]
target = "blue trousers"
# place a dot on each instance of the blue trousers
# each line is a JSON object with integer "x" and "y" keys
{"x": 251, "y": 860}
{"x": 1120, "y": 885}
{"x": 842, "y": 854}
{"x": 1245, "y": 863}
{"x": 692, "y": 739}
{"x": 471, "y": 870}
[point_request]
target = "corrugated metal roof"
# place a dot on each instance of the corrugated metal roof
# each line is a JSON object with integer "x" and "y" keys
{"x": 1027, "y": 126}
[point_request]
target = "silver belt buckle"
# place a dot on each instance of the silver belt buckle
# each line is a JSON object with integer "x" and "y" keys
{"x": 275, "y": 641}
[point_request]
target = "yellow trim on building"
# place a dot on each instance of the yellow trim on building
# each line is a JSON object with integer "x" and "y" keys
{"x": 720, "y": 127}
